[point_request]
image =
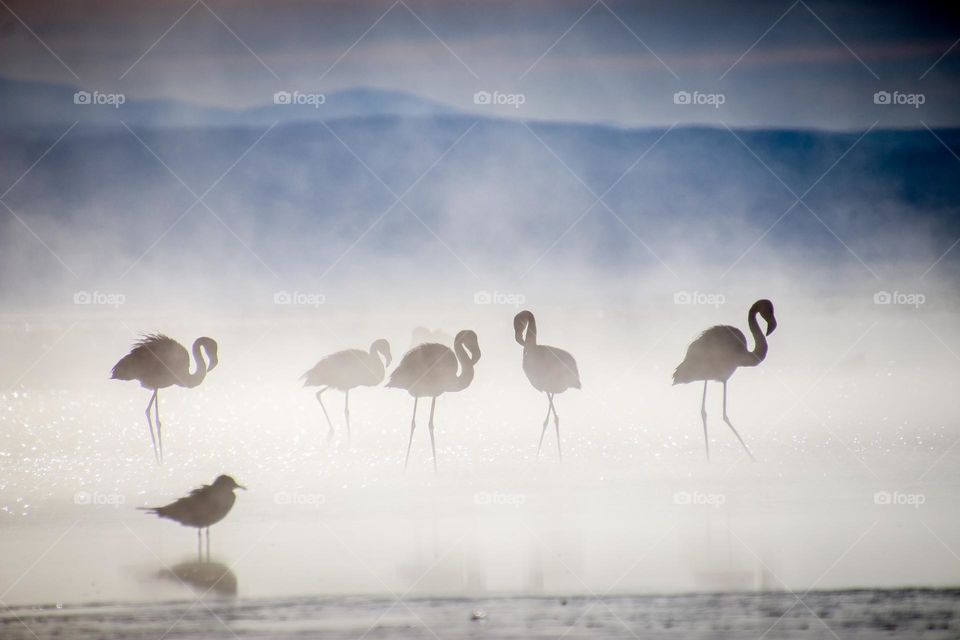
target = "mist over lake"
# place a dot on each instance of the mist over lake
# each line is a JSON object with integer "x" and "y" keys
{"x": 670, "y": 294}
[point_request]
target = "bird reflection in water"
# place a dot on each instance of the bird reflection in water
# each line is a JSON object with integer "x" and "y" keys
{"x": 204, "y": 577}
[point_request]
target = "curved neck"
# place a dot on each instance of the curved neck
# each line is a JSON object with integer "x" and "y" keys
{"x": 463, "y": 380}
{"x": 759, "y": 352}
{"x": 525, "y": 328}
{"x": 376, "y": 360}
{"x": 200, "y": 372}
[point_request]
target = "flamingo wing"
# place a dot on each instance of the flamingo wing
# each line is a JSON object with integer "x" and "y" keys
{"x": 425, "y": 370}
{"x": 345, "y": 370}
{"x": 155, "y": 360}
{"x": 713, "y": 356}
{"x": 551, "y": 369}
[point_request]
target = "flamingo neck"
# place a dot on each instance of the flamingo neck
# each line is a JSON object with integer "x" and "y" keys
{"x": 526, "y": 331}
{"x": 463, "y": 380}
{"x": 759, "y": 352}
{"x": 200, "y": 372}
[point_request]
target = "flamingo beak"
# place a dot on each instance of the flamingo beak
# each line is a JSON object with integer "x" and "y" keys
{"x": 771, "y": 325}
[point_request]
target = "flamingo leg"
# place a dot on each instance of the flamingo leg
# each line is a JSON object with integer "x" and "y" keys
{"x": 703, "y": 416}
{"x": 156, "y": 410}
{"x": 546, "y": 421}
{"x": 413, "y": 425}
{"x": 433, "y": 446}
{"x": 325, "y": 414}
{"x": 153, "y": 439}
{"x": 729, "y": 424}
{"x": 208, "y": 544}
{"x": 199, "y": 545}
{"x": 346, "y": 412}
{"x": 556, "y": 424}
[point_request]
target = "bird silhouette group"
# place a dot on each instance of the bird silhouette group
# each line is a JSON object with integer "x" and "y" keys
{"x": 427, "y": 370}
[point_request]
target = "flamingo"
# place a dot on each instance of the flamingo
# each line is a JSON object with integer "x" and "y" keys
{"x": 718, "y": 352}
{"x": 348, "y": 369}
{"x": 204, "y": 507}
{"x": 429, "y": 370}
{"x": 548, "y": 369}
{"x": 157, "y": 362}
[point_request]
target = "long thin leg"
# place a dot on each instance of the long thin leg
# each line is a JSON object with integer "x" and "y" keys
{"x": 153, "y": 439}
{"x": 546, "y": 421}
{"x": 156, "y": 409}
{"x": 199, "y": 545}
{"x": 208, "y": 544}
{"x": 556, "y": 424}
{"x": 433, "y": 446}
{"x": 703, "y": 415}
{"x": 413, "y": 425}
{"x": 346, "y": 412}
{"x": 729, "y": 424}
{"x": 325, "y": 414}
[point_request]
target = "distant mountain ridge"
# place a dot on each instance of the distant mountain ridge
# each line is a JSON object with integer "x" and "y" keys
{"x": 500, "y": 195}
{"x": 42, "y": 104}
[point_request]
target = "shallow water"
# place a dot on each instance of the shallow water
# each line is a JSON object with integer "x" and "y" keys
{"x": 855, "y": 487}
{"x": 849, "y": 614}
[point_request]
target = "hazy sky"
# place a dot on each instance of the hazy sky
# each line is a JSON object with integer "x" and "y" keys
{"x": 782, "y": 63}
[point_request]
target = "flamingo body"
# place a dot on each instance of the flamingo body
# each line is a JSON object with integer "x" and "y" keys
{"x": 721, "y": 350}
{"x": 549, "y": 369}
{"x": 346, "y": 370}
{"x": 714, "y": 355}
{"x": 430, "y": 370}
{"x": 427, "y": 370}
{"x": 157, "y": 362}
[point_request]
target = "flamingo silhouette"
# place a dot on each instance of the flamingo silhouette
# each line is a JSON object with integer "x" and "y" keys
{"x": 429, "y": 370}
{"x": 348, "y": 369}
{"x": 718, "y": 352}
{"x": 157, "y": 362}
{"x": 548, "y": 369}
